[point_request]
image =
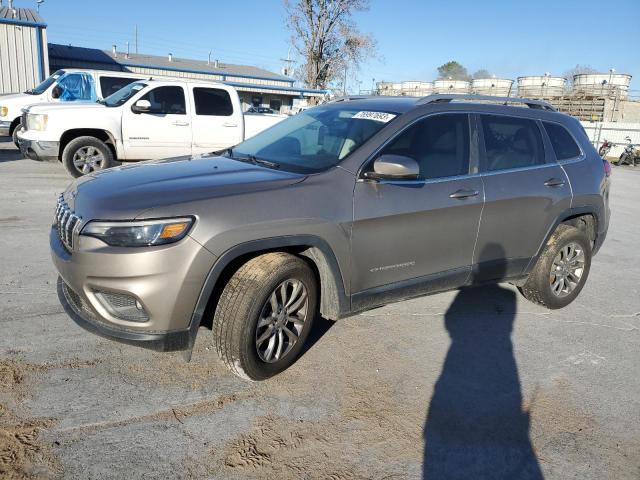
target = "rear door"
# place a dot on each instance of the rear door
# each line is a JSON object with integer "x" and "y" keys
{"x": 217, "y": 122}
{"x": 111, "y": 84}
{"x": 525, "y": 191}
{"x": 164, "y": 131}
{"x": 418, "y": 235}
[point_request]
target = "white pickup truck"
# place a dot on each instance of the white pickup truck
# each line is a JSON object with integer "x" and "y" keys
{"x": 69, "y": 85}
{"x": 147, "y": 119}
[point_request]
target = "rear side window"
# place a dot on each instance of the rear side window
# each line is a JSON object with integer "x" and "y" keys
{"x": 212, "y": 101}
{"x": 563, "y": 144}
{"x": 511, "y": 142}
{"x": 167, "y": 100}
{"x": 110, "y": 85}
{"x": 440, "y": 145}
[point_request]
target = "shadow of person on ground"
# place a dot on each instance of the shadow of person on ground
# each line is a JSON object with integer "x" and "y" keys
{"x": 475, "y": 427}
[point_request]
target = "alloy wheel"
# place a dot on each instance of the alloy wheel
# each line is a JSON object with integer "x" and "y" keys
{"x": 567, "y": 269}
{"x": 88, "y": 159}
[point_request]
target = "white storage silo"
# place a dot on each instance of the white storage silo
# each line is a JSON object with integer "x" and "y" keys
{"x": 416, "y": 88}
{"x": 602, "y": 84}
{"x": 500, "y": 87}
{"x": 541, "y": 86}
{"x": 451, "y": 86}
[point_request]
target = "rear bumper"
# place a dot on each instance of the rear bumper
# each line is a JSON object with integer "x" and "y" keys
{"x": 5, "y": 127}
{"x": 39, "y": 150}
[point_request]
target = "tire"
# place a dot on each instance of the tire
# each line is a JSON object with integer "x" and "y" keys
{"x": 539, "y": 287}
{"x": 94, "y": 153}
{"x": 14, "y": 134}
{"x": 246, "y": 299}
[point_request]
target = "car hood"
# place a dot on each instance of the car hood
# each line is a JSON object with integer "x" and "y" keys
{"x": 127, "y": 192}
{"x": 64, "y": 107}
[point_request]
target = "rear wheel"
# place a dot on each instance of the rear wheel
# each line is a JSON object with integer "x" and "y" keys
{"x": 265, "y": 314}
{"x": 562, "y": 269}
{"x": 85, "y": 155}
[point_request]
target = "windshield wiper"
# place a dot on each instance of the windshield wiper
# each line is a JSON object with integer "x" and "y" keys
{"x": 101, "y": 101}
{"x": 252, "y": 159}
{"x": 30, "y": 92}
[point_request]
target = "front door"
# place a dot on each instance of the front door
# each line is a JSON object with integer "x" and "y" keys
{"x": 162, "y": 132}
{"x": 414, "y": 236}
{"x": 216, "y": 125}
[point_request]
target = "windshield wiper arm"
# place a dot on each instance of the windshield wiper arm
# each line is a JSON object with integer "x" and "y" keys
{"x": 252, "y": 159}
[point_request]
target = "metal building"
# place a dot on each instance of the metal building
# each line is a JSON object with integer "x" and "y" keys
{"x": 256, "y": 86}
{"x": 23, "y": 49}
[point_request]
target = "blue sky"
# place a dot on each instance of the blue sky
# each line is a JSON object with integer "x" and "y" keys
{"x": 509, "y": 38}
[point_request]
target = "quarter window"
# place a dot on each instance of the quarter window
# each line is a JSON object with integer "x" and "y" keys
{"x": 167, "y": 101}
{"x": 440, "y": 145}
{"x": 110, "y": 85}
{"x": 212, "y": 101}
{"x": 562, "y": 142}
{"x": 511, "y": 142}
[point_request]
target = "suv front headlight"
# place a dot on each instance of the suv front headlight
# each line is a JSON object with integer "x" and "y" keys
{"x": 143, "y": 233}
{"x": 37, "y": 121}
{"x": 4, "y": 111}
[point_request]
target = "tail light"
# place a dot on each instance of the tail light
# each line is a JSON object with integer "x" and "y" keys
{"x": 607, "y": 168}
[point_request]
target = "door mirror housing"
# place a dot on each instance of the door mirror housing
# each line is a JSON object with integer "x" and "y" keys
{"x": 394, "y": 167}
{"x": 141, "y": 106}
{"x": 56, "y": 91}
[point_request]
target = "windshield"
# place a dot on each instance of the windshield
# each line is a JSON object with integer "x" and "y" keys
{"x": 314, "y": 140}
{"x": 121, "y": 96}
{"x": 40, "y": 89}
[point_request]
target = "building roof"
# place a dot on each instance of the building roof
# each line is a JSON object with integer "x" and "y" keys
{"x": 23, "y": 16}
{"x": 95, "y": 55}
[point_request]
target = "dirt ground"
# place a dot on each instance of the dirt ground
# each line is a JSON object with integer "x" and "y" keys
{"x": 471, "y": 384}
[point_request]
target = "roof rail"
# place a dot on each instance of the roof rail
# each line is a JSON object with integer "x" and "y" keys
{"x": 446, "y": 98}
{"x": 350, "y": 98}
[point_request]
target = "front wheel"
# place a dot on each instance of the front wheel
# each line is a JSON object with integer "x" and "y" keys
{"x": 14, "y": 135}
{"x": 265, "y": 314}
{"x": 84, "y": 155}
{"x": 561, "y": 270}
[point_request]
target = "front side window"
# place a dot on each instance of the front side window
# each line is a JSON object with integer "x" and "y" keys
{"x": 75, "y": 87}
{"x": 563, "y": 144}
{"x": 316, "y": 139}
{"x": 212, "y": 101}
{"x": 121, "y": 96}
{"x": 110, "y": 85}
{"x": 167, "y": 100}
{"x": 511, "y": 142}
{"x": 439, "y": 144}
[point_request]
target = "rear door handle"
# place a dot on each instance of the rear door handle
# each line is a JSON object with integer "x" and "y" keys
{"x": 228, "y": 124}
{"x": 181, "y": 124}
{"x": 464, "y": 194}
{"x": 554, "y": 182}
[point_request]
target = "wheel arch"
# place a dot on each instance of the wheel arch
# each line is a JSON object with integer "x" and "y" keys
{"x": 14, "y": 124}
{"x": 315, "y": 251}
{"x": 104, "y": 135}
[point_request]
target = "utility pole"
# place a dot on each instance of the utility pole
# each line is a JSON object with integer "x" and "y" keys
{"x": 136, "y": 39}
{"x": 288, "y": 61}
{"x": 344, "y": 85}
{"x": 209, "y": 60}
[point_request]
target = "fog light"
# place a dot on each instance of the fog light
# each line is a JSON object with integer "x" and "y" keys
{"x": 121, "y": 305}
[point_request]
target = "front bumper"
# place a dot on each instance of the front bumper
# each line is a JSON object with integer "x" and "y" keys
{"x": 167, "y": 281}
{"x": 39, "y": 150}
{"x": 5, "y": 127}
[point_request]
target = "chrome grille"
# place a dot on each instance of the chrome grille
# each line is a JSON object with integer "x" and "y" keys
{"x": 23, "y": 120}
{"x": 66, "y": 222}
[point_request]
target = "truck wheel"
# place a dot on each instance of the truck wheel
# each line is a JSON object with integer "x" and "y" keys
{"x": 265, "y": 314}
{"x": 84, "y": 155}
{"x": 14, "y": 134}
{"x": 562, "y": 269}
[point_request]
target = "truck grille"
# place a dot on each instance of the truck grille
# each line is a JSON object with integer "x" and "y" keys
{"x": 66, "y": 222}
{"x": 23, "y": 120}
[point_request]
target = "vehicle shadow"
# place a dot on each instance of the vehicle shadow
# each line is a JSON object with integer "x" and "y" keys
{"x": 8, "y": 151}
{"x": 319, "y": 328}
{"x": 476, "y": 427}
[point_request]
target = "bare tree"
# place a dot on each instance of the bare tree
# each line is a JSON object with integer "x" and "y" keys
{"x": 577, "y": 70}
{"x": 324, "y": 34}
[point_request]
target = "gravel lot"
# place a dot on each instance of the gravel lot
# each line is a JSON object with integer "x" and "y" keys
{"x": 499, "y": 388}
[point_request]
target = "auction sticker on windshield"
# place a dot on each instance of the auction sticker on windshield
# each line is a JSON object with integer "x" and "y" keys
{"x": 383, "y": 117}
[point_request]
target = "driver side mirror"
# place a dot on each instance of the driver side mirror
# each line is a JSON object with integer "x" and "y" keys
{"x": 56, "y": 91}
{"x": 141, "y": 106}
{"x": 394, "y": 167}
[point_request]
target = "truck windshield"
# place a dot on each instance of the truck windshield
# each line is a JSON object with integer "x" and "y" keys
{"x": 314, "y": 140}
{"x": 121, "y": 96}
{"x": 40, "y": 89}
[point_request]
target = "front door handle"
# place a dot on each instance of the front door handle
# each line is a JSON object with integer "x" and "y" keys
{"x": 228, "y": 124}
{"x": 181, "y": 124}
{"x": 554, "y": 182}
{"x": 460, "y": 194}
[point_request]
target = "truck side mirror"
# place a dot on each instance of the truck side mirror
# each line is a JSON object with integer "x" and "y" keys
{"x": 56, "y": 91}
{"x": 141, "y": 106}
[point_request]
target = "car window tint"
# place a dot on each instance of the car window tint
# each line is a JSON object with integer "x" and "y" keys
{"x": 110, "y": 85}
{"x": 511, "y": 142}
{"x": 440, "y": 145}
{"x": 212, "y": 101}
{"x": 562, "y": 142}
{"x": 166, "y": 100}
